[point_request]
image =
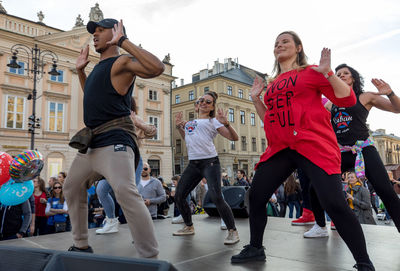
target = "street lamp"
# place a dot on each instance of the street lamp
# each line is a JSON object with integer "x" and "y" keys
{"x": 35, "y": 67}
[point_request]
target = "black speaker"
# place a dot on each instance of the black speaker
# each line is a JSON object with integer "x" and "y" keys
{"x": 235, "y": 197}
{"x": 32, "y": 259}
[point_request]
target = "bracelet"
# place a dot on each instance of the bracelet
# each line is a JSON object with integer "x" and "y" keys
{"x": 227, "y": 125}
{"x": 178, "y": 126}
{"x": 121, "y": 40}
{"x": 329, "y": 74}
{"x": 390, "y": 94}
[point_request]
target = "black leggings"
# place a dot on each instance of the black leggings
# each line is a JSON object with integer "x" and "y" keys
{"x": 195, "y": 171}
{"x": 274, "y": 172}
{"x": 377, "y": 176}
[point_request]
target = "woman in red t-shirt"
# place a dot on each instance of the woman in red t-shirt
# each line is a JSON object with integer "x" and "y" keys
{"x": 300, "y": 135}
{"x": 39, "y": 220}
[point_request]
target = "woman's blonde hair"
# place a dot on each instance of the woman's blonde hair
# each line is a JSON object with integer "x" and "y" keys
{"x": 301, "y": 59}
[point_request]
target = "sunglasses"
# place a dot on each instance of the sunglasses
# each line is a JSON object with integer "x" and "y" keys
{"x": 202, "y": 100}
{"x": 145, "y": 168}
{"x": 57, "y": 187}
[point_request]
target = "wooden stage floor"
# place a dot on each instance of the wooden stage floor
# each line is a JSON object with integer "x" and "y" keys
{"x": 286, "y": 248}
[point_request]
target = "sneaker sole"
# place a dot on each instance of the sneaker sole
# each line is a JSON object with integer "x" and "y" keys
{"x": 231, "y": 243}
{"x": 177, "y": 222}
{"x": 182, "y": 234}
{"x": 319, "y": 236}
{"x": 258, "y": 259}
{"x": 303, "y": 223}
{"x": 100, "y": 233}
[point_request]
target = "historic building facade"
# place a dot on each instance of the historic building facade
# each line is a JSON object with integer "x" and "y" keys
{"x": 388, "y": 146}
{"x": 59, "y": 102}
{"x": 232, "y": 82}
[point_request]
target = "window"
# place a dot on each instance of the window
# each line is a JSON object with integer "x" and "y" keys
{"x": 244, "y": 144}
{"x": 250, "y": 97}
{"x": 155, "y": 122}
{"x": 261, "y": 124}
{"x": 155, "y": 167}
{"x": 15, "y": 112}
{"x": 229, "y": 90}
{"x": 233, "y": 146}
{"x": 177, "y": 99}
{"x": 206, "y": 89}
{"x": 263, "y": 145}
{"x": 242, "y": 117}
{"x": 231, "y": 115}
{"x": 191, "y": 115}
{"x": 240, "y": 94}
{"x": 252, "y": 119}
{"x": 253, "y": 144}
{"x": 153, "y": 95}
{"x": 178, "y": 146}
{"x": 58, "y": 78}
{"x": 191, "y": 95}
{"x": 54, "y": 165}
{"x": 20, "y": 70}
{"x": 55, "y": 117}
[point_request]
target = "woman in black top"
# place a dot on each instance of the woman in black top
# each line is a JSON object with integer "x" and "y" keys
{"x": 351, "y": 130}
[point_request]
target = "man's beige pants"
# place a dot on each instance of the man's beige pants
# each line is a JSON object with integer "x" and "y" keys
{"x": 118, "y": 169}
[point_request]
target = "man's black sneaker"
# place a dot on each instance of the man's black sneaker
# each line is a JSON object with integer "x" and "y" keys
{"x": 364, "y": 266}
{"x": 249, "y": 253}
{"x": 77, "y": 249}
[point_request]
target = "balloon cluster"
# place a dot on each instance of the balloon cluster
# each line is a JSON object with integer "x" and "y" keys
{"x": 16, "y": 176}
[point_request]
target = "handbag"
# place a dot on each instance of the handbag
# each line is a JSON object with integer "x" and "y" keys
{"x": 60, "y": 226}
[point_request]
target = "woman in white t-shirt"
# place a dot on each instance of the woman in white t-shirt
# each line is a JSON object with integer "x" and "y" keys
{"x": 203, "y": 162}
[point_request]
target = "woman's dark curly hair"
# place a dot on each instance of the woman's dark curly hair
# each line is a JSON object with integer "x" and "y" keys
{"x": 358, "y": 84}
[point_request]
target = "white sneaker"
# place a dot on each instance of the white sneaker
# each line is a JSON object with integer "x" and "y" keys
{"x": 223, "y": 226}
{"x": 177, "y": 220}
{"x": 316, "y": 232}
{"x": 232, "y": 238}
{"x": 110, "y": 226}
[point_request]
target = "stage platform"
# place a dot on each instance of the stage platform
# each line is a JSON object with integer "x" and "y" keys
{"x": 286, "y": 249}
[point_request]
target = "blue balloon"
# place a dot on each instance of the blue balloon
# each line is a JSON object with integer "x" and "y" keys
{"x": 13, "y": 193}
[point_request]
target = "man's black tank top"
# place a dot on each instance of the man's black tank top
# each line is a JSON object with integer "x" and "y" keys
{"x": 102, "y": 103}
{"x": 350, "y": 124}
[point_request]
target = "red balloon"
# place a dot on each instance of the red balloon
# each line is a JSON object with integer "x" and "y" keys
{"x": 5, "y": 161}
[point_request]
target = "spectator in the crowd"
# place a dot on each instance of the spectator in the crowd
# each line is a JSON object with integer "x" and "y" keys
{"x": 14, "y": 220}
{"x": 241, "y": 178}
{"x": 151, "y": 190}
{"x": 225, "y": 179}
{"x": 359, "y": 199}
{"x": 56, "y": 210}
{"x": 201, "y": 191}
{"x": 111, "y": 209}
{"x": 281, "y": 200}
{"x": 163, "y": 208}
{"x": 40, "y": 221}
{"x": 96, "y": 211}
{"x": 61, "y": 177}
{"x": 293, "y": 196}
{"x": 49, "y": 189}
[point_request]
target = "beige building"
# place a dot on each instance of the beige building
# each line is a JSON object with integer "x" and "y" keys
{"x": 232, "y": 82}
{"x": 388, "y": 146}
{"x": 59, "y": 98}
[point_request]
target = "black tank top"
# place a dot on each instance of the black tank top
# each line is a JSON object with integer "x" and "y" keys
{"x": 102, "y": 103}
{"x": 350, "y": 124}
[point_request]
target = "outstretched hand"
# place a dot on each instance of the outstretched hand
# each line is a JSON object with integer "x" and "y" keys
{"x": 118, "y": 32}
{"x": 257, "y": 88}
{"x": 382, "y": 86}
{"x": 179, "y": 122}
{"x": 222, "y": 116}
{"x": 325, "y": 62}
{"x": 83, "y": 60}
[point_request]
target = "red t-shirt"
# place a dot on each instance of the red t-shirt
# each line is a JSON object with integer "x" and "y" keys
{"x": 40, "y": 207}
{"x": 296, "y": 119}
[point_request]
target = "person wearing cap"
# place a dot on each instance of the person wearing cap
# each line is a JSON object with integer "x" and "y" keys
{"x": 112, "y": 152}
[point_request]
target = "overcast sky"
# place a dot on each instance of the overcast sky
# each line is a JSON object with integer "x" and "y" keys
{"x": 363, "y": 34}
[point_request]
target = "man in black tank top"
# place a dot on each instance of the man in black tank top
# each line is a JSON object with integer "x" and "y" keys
{"x": 107, "y": 96}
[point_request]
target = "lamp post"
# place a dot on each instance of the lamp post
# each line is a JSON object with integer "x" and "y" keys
{"x": 35, "y": 69}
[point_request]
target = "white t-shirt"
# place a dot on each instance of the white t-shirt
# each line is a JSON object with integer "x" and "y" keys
{"x": 199, "y": 135}
{"x": 144, "y": 183}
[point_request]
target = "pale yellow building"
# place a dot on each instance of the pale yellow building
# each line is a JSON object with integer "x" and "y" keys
{"x": 388, "y": 146}
{"x": 59, "y": 98}
{"x": 232, "y": 82}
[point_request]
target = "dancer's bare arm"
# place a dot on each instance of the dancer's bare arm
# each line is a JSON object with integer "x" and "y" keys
{"x": 227, "y": 131}
{"x": 255, "y": 92}
{"x": 370, "y": 99}
{"x": 81, "y": 64}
